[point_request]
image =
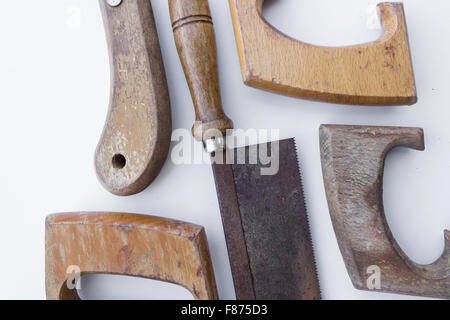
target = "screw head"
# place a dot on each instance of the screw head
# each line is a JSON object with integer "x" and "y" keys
{"x": 113, "y": 3}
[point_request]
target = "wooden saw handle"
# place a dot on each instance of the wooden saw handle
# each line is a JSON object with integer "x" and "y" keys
{"x": 136, "y": 137}
{"x": 196, "y": 44}
{"x": 125, "y": 244}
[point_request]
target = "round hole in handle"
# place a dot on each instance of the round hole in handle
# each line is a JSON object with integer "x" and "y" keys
{"x": 119, "y": 161}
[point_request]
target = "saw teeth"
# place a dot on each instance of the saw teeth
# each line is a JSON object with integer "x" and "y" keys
{"x": 297, "y": 152}
{"x": 245, "y": 194}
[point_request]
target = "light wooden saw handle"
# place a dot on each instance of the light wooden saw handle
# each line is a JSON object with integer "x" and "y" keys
{"x": 125, "y": 244}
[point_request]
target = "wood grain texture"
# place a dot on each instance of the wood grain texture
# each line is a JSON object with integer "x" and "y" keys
{"x": 127, "y": 244}
{"x": 196, "y": 44}
{"x": 377, "y": 73}
{"x": 353, "y": 160}
{"x": 136, "y": 138}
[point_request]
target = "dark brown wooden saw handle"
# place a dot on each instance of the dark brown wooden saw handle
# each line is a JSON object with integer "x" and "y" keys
{"x": 136, "y": 137}
{"x": 196, "y": 44}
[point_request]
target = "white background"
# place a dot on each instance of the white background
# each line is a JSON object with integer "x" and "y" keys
{"x": 54, "y": 88}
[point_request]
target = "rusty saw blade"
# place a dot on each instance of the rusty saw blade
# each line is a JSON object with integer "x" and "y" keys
{"x": 266, "y": 228}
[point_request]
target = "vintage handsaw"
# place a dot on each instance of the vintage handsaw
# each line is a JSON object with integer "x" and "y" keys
{"x": 376, "y": 73}
{"x": 264, "y": 216}
{"x": 353, "y": 160}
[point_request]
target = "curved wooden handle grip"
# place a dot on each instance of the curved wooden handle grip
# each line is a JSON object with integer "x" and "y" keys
{"x": 126, "y": 244}
{"x": 355, "y": 198}
{"x": 136, "y": 138}
{"x": 196, "y": 44}
{"x": 376, "y": 73}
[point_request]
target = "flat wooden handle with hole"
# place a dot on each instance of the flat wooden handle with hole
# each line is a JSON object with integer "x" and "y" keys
{"x": 196, "y": 44}
{"x": 136, "y": 137}
{"x": 125, "y": 244}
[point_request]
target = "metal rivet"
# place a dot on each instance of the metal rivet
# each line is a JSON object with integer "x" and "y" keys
{"x": 214, "y": 145}
{"x": 114, "y": 3}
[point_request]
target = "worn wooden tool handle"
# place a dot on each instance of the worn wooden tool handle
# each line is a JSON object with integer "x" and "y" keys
{"x": 136, "y": 138}
{"x": 196, "y": 44}
{"x": 125, "y": 244}
{"x": 376, "y": 73}
{"x": 354, "y": 191}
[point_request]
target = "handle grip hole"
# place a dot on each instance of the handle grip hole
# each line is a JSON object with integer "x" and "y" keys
{"x": 119, "y": 161}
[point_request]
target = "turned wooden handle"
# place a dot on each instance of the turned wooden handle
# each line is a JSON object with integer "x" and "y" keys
{"x": 196, "y": 44}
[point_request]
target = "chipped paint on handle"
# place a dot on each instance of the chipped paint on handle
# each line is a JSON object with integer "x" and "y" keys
{"x": 136, "y": 138}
